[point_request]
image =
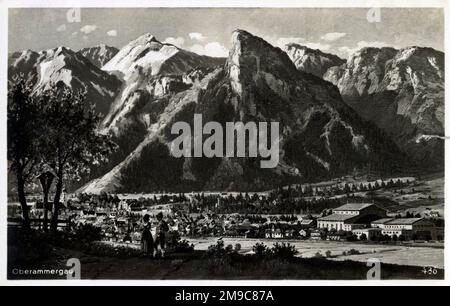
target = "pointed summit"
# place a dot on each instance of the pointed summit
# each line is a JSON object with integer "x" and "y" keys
{"x": 252, "y": 57}
{"x": 247, "y": 48}
{"x": 147, "y": 37}
{"x": 61, "y": 50}
{"x": 147, "y": 56}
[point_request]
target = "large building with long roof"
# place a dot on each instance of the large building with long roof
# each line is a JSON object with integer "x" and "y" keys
{"x": 351, "y": 216}
{"x": 410, "y": 228}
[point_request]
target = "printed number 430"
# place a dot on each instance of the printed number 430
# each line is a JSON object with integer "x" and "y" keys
{"x": 429, "y": 271}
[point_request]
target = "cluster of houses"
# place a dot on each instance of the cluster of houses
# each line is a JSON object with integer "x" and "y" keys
{"x": 120, "y": 221}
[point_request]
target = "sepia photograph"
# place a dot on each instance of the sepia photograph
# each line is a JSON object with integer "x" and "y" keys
{"x": 212, "y": 143}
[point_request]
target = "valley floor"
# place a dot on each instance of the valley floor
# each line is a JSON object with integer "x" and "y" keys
{"x": 419, "y": 254}
{"x": 195, "y": 266}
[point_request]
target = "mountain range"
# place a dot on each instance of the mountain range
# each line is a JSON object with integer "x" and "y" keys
{"x": 64, "y": 66}
{"x": 402, "y": 92}
{"x": 380, "y": 110}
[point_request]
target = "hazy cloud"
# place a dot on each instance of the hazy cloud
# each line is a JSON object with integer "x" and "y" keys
{"x": 347, "y": 51}
{"x": 87, "y": 29}
{"x": 112, "y": 33}
{"x": 61, "y": 28}
{"x": 283, "y": 41}
{"x": 333, "y": 36}
{"x": 214, "y": 49}
{"x": 197, "y": 36}
{"x": 177, "y": 41}
{"x": 375, "y": 44}
{"x": 320, "y": 46}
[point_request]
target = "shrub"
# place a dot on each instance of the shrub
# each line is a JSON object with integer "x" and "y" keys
{"x": 87, "y": 233}
{"x": 172, "y": 238}
{"x": 261, "y": 250}
{"x": 328, "y": 253}
{"x": 284, "y": 250}
{"x": 184, "y": 246}
{"x": 219, "y": 249}
{"x": 353, "y": 252}
{"x": 102, "y": 249}
{"x": 175, "y": 244}
{"x": 318, "y": 255}
{"x": 237, "y": 247}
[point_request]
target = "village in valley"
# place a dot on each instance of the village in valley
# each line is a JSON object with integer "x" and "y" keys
{"x": 341, "y": 212}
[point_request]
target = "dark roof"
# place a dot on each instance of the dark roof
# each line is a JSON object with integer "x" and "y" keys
{"x": 354, "y": 206}
{"x": 403, "y": 221}
{"x": 337, "y": 217}
{"x": 306, "y": 221}
{"x": 382, "y": 221}
{"x": 369, "y": 229}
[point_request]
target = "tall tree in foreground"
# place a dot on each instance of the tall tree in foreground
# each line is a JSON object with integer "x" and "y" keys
{"x": 24, "y": 132}
{"x": 72, "y": 143}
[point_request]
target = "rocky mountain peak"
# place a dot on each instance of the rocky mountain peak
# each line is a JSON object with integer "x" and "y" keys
{"x": 147, "y": 37}
{"x": 63, "y": 66}
{"x": 58, "y": 51}
{"x": 402, "y": 91}
{"x": 320, "y": 136}
{"x": 363, "y": 65}
{"x": 247, "y": 47}
{"x": 252, "y": 57}
{"x": 144, "y": 56}
{"x": 99, "y": 55}
{"x": 310, "y": 60}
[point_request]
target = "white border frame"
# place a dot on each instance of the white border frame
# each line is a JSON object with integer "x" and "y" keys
{"x": 5, "y": 4}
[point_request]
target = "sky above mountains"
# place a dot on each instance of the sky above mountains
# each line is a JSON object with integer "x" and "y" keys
{"x": 207, "y": 31}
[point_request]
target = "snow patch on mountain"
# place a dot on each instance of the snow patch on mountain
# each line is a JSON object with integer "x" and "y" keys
{"x": 428, "y": 138}
{"x": 149, "y": 69}
{"x": 325, "y": 164}
{"x": 357, "y": 139}
{"x": 145, "y": 54}
{"x": 52, "y": 71}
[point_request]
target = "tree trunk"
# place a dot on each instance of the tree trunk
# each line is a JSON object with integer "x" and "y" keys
{"x": 23, "y": 201}
{"x": 59, "y": 185}
{"x": 45, "y": 211}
